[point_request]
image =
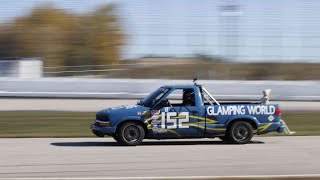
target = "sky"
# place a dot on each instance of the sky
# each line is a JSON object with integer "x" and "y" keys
{"x": 241, "y": 30}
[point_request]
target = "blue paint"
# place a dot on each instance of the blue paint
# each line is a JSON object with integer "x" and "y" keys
{"x": 185, "y": 121}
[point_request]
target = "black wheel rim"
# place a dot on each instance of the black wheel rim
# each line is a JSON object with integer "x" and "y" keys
{"x": 131, "y": 133}
{"x": 241, "y": 132}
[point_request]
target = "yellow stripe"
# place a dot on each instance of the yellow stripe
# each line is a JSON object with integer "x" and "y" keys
{"x": 178, "y": 117}
{"x": 216, "y": 129}
{"x": 174, "y": 132}
{"x": 203, "y": 119}
{"x": 264, "y": 127}
{"x": 197, "y": 117}
{"x": 209, "y": 121}
{"x": 149, "y": 119}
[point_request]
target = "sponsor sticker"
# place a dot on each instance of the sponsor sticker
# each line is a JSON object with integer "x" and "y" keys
{"x": 162, "y": 130}
{"x": 241, "y": 110}
{"x": 155, "y": 122}
{"x": 271, "y": 118}
{"x": 154, "y": 129}
{"x": 158, "y": 130}
{"x": 155, "y": 117}
{"x": 155, "y": 112}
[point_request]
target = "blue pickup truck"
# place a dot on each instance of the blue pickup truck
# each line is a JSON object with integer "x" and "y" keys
{"x": 187, "y": 111}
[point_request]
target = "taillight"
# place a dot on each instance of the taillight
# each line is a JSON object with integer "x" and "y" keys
{"x": 277, "y": 112}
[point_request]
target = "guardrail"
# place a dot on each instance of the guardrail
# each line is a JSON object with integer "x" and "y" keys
{"x": 139, "y": 88}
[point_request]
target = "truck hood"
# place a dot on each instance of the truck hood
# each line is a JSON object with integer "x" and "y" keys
{"x": 120, "y": 112}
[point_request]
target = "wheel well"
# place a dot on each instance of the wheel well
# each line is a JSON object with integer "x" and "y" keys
{"x": 134, "y": 121}
{"x": 253, "y": 124}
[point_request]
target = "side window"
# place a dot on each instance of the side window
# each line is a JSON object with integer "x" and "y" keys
{"x": 182, "y": 97}
{"x": 175, "y": 97}
{"x": 206, "y": 99}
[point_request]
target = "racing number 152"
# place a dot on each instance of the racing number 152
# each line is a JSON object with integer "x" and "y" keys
{"x": 174, "y": 120}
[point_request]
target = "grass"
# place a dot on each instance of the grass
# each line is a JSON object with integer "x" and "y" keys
{"x": 304, "y": 123}
{"x": 46, "y": 124}
{"x": 77, "y": 124}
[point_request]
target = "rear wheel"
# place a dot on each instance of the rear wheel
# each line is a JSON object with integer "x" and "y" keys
{"x": 240, "y": 132}
{"x": 130, "y": 134}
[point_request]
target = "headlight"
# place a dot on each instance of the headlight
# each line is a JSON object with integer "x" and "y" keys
{"x": 103, "y": 123}
{"x": 102, "y": 120}
{"x": 101, "y": 117}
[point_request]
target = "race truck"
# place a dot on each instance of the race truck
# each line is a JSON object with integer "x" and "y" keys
{"x": 188, "y": 111}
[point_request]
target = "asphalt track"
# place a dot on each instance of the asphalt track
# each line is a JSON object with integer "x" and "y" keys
{"x": 94, "y": 105}
{"x": 102, "y": 158}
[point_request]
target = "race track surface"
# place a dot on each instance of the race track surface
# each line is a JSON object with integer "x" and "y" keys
{"x": 103, "y": 158}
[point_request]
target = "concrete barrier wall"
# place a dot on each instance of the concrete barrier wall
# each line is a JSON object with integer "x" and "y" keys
{"x": 132, "y": 88}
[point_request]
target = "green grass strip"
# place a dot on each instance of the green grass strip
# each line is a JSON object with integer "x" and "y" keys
{"x": 77, "y": 124}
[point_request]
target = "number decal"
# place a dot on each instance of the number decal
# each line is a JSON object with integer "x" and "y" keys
{"x": 174, "y": 120}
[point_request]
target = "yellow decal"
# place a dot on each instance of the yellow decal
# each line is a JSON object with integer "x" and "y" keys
{"x": 174, "y": 132}
{"x": 264, "y": 127}
{"x": 149, "y": 119}
{"x": 209, "y": 121}
{"x": 178, "y": 117}
{"x": 202, "y": 127}
{"x": 205, "y": 121}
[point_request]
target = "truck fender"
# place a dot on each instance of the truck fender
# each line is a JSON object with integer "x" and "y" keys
{"x": 239, "y": 117}
{"x": 130, "y": 118}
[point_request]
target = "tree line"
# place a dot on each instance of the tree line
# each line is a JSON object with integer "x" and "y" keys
{"x": 64, "y": 38}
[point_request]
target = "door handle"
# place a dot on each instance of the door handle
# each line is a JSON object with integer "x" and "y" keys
{"x": 194, "y": 111}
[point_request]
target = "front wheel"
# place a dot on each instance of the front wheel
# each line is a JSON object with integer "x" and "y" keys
{"x": 224, "y": 138}
{"x": 131, "y": 134}
{"x": 116, "y": 137}
{"x": 240, "y": 132}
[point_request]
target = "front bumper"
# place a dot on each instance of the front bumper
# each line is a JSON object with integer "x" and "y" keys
{"x": 102, "y": 131}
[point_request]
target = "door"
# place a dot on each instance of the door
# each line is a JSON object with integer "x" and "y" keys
{"x": 180, "y": 117}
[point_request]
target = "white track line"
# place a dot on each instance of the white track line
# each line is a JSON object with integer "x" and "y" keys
{"x": 168, "y": 177}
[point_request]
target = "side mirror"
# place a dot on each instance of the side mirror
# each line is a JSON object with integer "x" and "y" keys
{"x": 139, "y": 102}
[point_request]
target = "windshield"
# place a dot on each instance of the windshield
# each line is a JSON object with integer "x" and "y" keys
{"x": 154, "y": 97}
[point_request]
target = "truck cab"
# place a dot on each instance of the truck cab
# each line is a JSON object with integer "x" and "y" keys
{"x": 187, "y": 111}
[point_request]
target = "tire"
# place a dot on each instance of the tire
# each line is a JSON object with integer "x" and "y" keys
{"x": 116, "y": 138}
{"x": 240, "y": 132}
{"x": 224, "y": 138}
{"x": 130, "y": 134}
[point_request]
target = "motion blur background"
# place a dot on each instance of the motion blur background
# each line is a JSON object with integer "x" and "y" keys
{"x": 215, "y": 40}
{"x": 117, "y": 49}
{"x": 61, "y": 61}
